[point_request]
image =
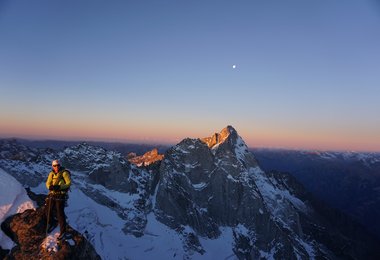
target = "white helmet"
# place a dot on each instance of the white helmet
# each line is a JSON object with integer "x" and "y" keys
{"x": 54, "y": 163}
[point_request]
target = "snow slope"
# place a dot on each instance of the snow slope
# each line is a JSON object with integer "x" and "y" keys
{"x": 13, "y": 199}
{"x": 103, "y": 228}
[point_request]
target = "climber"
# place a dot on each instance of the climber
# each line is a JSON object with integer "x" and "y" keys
{"x": 58, "y": 183}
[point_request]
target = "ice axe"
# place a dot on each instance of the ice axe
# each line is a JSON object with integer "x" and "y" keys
{"x": 48, "y": 215}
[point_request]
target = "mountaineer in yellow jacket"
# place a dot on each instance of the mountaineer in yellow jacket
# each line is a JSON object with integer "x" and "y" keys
{"x": 58, "y": 184}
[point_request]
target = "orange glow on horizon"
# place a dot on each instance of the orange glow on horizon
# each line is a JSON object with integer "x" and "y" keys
{"x": 167, "y": 134}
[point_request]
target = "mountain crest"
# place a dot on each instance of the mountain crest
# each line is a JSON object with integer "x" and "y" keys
{"x": 218, "y": 138}
{"x": 147, "y": 158}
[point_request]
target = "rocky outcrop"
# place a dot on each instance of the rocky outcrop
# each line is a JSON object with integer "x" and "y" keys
{"x": 28, "y": 229}
{"x": 146, "y": 159}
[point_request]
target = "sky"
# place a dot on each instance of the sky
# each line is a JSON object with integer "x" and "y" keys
{"x": 285, "y": 74}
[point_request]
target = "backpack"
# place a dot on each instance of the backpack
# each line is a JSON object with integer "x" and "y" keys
{"x": 61, "y": 177}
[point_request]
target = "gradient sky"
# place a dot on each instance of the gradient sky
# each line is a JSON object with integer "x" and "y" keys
{"x": 307, "y": 72}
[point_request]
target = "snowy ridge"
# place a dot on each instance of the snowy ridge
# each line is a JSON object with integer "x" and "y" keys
{"x": 272, "y": 194}
{"x": 13, "y": 199}
{"x": 284, "y": 208}
{"x": 366, "y": 157}
{"x": 90, "y": 158}
{"x": 241, "y": 149}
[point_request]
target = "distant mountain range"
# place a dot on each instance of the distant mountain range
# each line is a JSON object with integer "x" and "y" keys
{"x": 207, "y": 198}
{"x": 123, "y": 148}
{"x": 348, "y": 181}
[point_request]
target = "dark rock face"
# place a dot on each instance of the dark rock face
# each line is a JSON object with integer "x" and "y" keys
{"x": 3, "y": 253}
{"x": 28, "y": 229}
{"x": 212, "y": 182}
{"x": 207, "y": 187}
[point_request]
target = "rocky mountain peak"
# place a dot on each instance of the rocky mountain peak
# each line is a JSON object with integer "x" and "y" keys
{"x": 147, "y": 158}
{"x": 228, "y": 142}
{"x": 215, "y": 182}
{"x": 227, "y": 133}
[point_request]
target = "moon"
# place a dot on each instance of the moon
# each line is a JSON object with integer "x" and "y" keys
{"x": 234, "y": 66}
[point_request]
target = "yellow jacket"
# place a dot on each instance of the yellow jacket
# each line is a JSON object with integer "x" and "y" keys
{"x": 61, "y": 178}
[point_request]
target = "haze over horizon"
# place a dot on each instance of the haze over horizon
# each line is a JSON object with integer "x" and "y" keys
{"x": 294, "y": 74}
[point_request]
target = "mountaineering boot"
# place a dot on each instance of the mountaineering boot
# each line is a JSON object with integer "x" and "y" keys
{"x": 62, "y": 236}
{"x": 51, "y": 227}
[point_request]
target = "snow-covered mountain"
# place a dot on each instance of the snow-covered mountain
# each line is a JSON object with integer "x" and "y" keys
{"x": 208, "y": 198}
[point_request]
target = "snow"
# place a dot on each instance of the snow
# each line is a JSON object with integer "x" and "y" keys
{"x": 268, "y": 255}
{"x": 272, "y": 195}
{"x": 241, "y": 229}
{"x": 40, "y": 189}
{"x": 181, "y": 150}
{"x": 203, "y": 210}
{"x": 229, "y": 176}
{"x": 240, "y": 149}
{"x": 308, "y": 248}
{"x": 191, "y": 165}
{"x": 219, "y": 248}
{"x": 328, "y": 155}
{"x": 200, "y": 186}
{"x": 50, "y": 243}
{"x": 103, "y": 228}
{"x": 215, "y": 147}
{"x": 125, "y": 200}
{"x": 13, "y": 199}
